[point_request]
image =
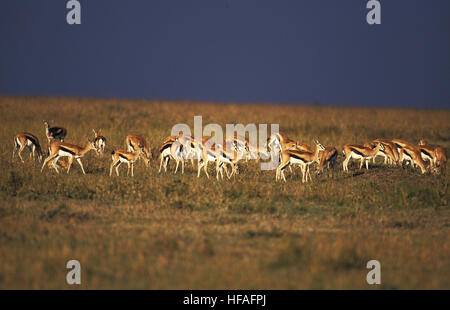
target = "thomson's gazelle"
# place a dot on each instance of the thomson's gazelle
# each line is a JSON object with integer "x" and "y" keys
{"x": 99, "y": 141}
{"x": 132, "y": 141}
{"x": 360, "y": 152}
{"x": 412, "y": 154}
{"x": 25, "y": 139}
{"x": 304, "y": 159}
{"x": 327, "y": 158}
{"x": 63, "y": 149}
{"x": 119, "y": 156}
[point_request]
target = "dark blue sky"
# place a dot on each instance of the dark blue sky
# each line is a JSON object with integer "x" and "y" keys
{"x": 279, "y": 51}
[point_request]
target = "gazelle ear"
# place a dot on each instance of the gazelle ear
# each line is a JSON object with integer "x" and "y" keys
{"x": 94, "y": 132}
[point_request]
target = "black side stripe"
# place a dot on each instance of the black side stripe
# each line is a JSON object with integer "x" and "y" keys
{"x": 407, "y": 153}
{"x": 357, "y": 152}
{"x": 62, "y": 148}
{"x": 426, "y": 153}
{"x": 124, "y": 157}
{"x": 297, "y": 157}
{"x": 165, "y": 147}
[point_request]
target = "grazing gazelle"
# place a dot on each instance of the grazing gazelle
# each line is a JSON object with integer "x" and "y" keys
{"x": 206, "y": 149}
{"x": 304, "y": 159}
{"x": 62, "y": 149}
{"x": 133, "y": 141}
{"x": 387, "y": 153}
{"x": 226, "y": 157}
{"x": 327, "y": 158}
{"x": 119, "y": 156}
{"x": 360, "y": 152}
{"x": 427, "y": 152}
{"x": 99, "y": 141}
{"x": 164, "y": 155}
{"x": 25, "y": 139}
{"x": 440, "y": 159}
{"x": 55, "y": 132}
{"x": 399, "y": 144}
{"x": 393, "y": 148}
{"x": 412, "y": 154}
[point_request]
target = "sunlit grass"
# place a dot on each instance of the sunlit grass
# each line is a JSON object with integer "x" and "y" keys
{"x": 177, "y": 231}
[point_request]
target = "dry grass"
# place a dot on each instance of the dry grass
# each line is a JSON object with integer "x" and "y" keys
{"x": 163, "y": 231}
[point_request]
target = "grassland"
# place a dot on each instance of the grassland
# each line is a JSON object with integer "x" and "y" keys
{"x": 165, "y": 231}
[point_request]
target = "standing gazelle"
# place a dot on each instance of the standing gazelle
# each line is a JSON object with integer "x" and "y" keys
{"x": 99, "y": 141}
{"x": 63, "y": 149}
{"x": 304, "y": 159}
{"x": 360, "y": 152}
{"x": 119, "y": 156}
{"x": 132, "y": 142}
{"x": 25, "y": 139}
{"x": 55, "y": 132}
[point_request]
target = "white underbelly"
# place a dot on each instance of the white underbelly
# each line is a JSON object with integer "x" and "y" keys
{"x": 356, "y": 156}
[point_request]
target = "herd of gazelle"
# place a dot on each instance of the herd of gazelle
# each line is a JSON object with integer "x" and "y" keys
{"x": 181, "y": 148}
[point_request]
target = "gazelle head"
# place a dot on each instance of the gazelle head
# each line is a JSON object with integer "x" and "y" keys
{"x": 422, "y": 142}
{"x": 319, "y": 145}
{"x": 99, "y": 141}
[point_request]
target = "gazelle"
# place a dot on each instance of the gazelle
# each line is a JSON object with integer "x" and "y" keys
{"x": 118, "y": 157}
{"x": 281, "y": 141}
{"x": 401, "y": 143}
{"x": 132, "y": 141}
{"x": 99, "y": 141}
{"x": 440, "y": 159}
{"x": 55, "y": 132}
{"x": 304, "y": 159}
{"x": 393, "y": 147}
{"x": 412, "y": 155}
{"x": 226, "y": 157}
{"x": 327, "y": 158}
{"x": 178, "y": 149}
{"x": 360, "y": 152}
{"x": 387, "y": 153}
{"x": 62, "y": 149}
{"x": 427, "y": 152}
{"x": 25, "y": 139}
{"x": 207, "y": 149}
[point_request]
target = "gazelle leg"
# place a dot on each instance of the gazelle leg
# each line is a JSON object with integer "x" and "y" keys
{"x": 70, "y": 164}
{"x": 81, "y": 165}
{"x": 166, "y": 163}
{"x": 205, "y": 167}
{"x": 132, "y": 169}
{"x": 16, "y": 147}
{"x": 367, "y": 165}
{"x": 182, "y": 166}
{"x": 110, "y": 168}
{"x": 46, "y": 161}
{"x": 55, "y": 163}
{"x": 361, "y": 163}
{"x": 176, "y": 167}
{"x": 117, "y": 167}
{"x": 20, "y": 151}
{"x": 161, "y": 163}
{"x": 217, "y": 170}
{"x": 345, "y": 163}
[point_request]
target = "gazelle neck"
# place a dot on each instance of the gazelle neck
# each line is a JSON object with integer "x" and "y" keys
{"x": 316, "y": 152}
{"x": 86, "y": 149}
